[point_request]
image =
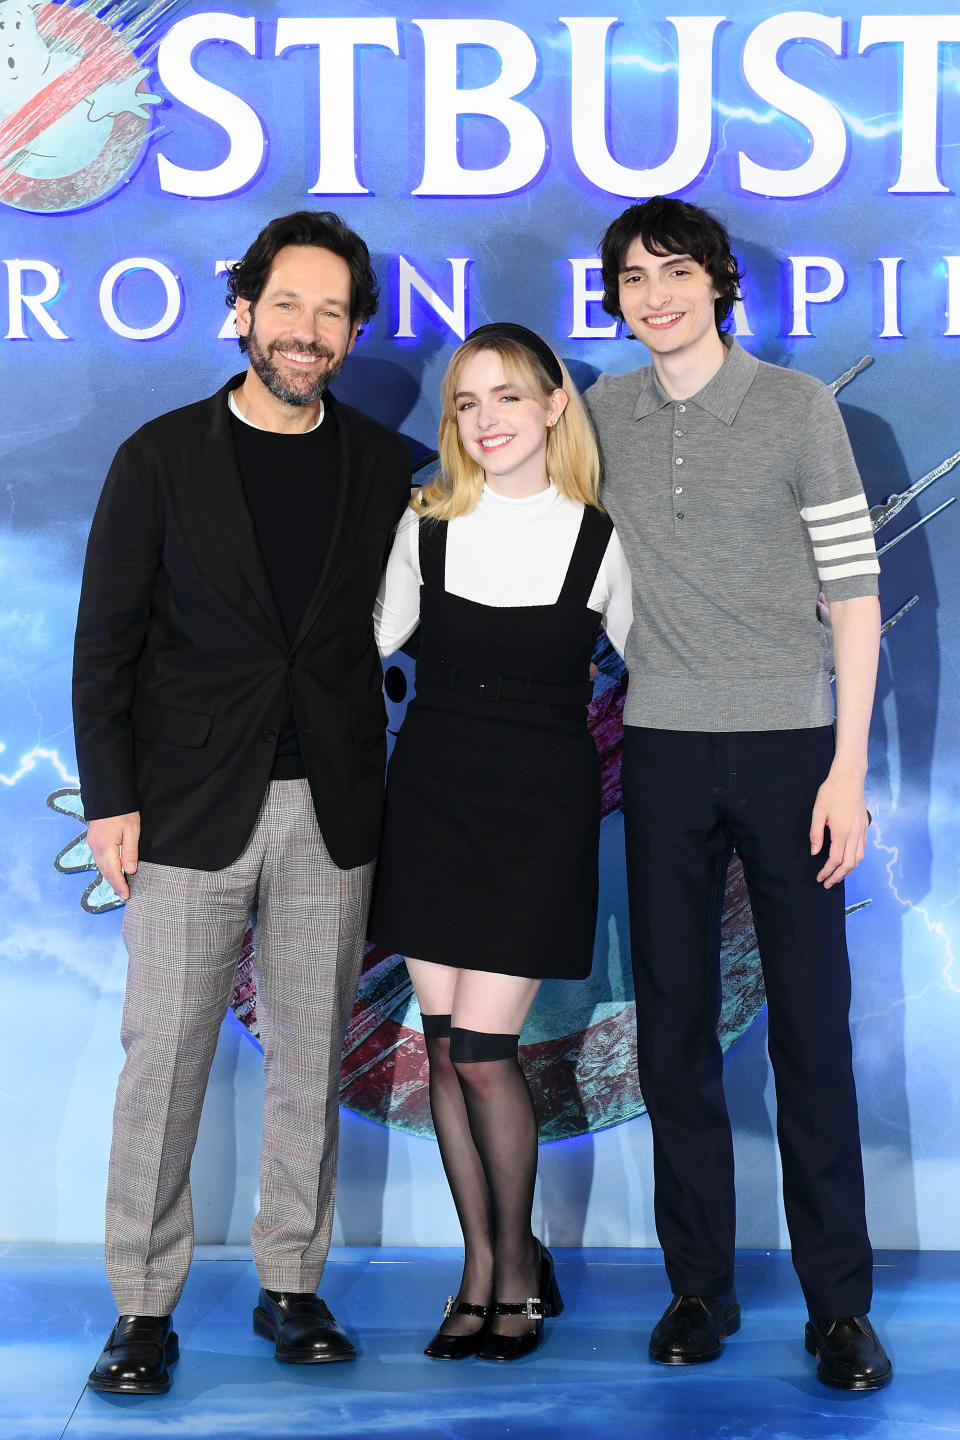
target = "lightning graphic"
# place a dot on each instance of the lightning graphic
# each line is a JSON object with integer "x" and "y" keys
{"x": 28, "y": 762}
{"x": 881, "y": 515}
{"x": 639, "y": 61}
{"x": 876, "y": 127}
{"x": 934, "y": 927}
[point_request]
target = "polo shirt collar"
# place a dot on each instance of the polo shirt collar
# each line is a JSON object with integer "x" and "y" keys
{"x": 722, "y": 395}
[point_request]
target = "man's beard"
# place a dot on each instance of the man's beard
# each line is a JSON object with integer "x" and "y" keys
{"x": 314, "y": 382}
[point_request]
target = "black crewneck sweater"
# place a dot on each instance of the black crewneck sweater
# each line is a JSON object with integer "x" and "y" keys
{"x": 290, "y": 483}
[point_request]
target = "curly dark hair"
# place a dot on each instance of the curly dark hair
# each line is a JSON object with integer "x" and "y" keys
{"x": 247, "y": 278}
{"x": 671, "y": 227}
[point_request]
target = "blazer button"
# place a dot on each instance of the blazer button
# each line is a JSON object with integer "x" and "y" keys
{"x": 269, "y": 735}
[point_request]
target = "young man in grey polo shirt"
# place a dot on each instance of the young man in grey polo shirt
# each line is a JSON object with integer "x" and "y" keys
{"x": 736, "y": 498}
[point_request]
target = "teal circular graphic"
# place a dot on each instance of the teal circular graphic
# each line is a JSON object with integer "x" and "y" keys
{"x": 73, "y": 108}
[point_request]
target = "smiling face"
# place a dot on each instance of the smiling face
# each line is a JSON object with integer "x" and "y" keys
{"x": 668, "y": 303}
{"x": 299, "y": 330}
{"x": 503, "y": 423}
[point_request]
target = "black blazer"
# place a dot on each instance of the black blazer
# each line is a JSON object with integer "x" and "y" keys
{"x": 181, "y": 665}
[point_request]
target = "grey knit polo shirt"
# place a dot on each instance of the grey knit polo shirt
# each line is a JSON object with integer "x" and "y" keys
{"x": 734, "y": 507}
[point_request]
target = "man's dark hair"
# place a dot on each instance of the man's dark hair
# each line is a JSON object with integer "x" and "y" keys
{"x": 671, "y": 227}
{"x": 246, "y": 279}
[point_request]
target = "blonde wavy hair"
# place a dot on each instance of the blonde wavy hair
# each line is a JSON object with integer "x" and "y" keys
{"x": 573, "y": 461}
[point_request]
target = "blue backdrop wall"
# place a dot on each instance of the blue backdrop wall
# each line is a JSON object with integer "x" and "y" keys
{"x": 481, "y": 151}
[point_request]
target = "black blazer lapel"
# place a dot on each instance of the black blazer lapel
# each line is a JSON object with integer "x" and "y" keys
{"x": 356, "y": 473}
{"x": 220, "y": 491}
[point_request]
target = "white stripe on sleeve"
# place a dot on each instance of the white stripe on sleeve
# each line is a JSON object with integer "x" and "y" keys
{"x": 852, "y": 567}
{"x": 863, "y": 525}
{"x": 834, "y": 509}
{"x": 863, "y": 547}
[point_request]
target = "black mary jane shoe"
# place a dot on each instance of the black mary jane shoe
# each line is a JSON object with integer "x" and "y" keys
{"x": 458, "y": 1347}
{"x": 536, "y": 1307}
{"x": 135, "y": 1358}
{"x": 850, "y": 1353}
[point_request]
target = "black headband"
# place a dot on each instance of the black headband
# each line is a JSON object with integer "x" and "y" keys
{"x": 506, "y": 330}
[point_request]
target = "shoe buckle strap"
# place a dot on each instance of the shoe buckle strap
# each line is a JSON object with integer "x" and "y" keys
{"x": 464, "y": 1307}
{"x": 532, "y": 1308}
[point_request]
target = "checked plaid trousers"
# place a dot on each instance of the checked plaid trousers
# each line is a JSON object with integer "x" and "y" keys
{"x": 183, "y": 930}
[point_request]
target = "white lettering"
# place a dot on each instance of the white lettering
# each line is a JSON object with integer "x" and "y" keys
{"x": 445, "y": 102}
{"x": 336, "y": 41}
{"x": 890, "y": 266}
{"x": 244, "y": 131}
{"x": 801, "y": 265}
{"x": 921, "y": 37}
{"x": 453, "y": 315}
{"x": 813, "y": 111}
{"x": 589, "y": 100}
{"x": 172, "y": 292}
{"x": 583, "y": 296}
{"x": 741, "y": 325}
{"x": 19, "y": 301}
{"x": 953, "y": 295}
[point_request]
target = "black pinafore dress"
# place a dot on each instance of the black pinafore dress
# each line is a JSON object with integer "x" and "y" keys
{"x": 492, "y": 818}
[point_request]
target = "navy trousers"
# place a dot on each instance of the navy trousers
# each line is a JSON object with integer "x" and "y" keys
{"x": 690, "y": 800}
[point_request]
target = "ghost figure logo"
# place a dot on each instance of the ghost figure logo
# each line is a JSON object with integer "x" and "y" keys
{"x": 73, "y": 112}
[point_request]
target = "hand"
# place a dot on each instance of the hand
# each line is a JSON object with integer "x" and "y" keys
{"x": 839, "y": 806}
{"x": 114, "y": 842}
{"x": 119, "y": 97}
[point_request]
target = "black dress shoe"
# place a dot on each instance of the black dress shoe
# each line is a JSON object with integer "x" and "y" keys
{"x": 458, "y": 1347}
{"x": 135, "y": 1358}
{"x": 535, "y": 1307}
{"x": 304, "y": 1331}
{"x": 690, "y": 1329}
{"x": 851, "y": 1356}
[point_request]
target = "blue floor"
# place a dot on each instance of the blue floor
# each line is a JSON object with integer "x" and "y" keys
{"x": 592, "y": 1378}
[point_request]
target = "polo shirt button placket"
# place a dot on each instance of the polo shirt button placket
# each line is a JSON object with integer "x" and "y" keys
{"x": 678, "y": 434}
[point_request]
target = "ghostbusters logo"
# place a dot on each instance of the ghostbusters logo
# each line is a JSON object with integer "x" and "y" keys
{"x": 73, "y": 109}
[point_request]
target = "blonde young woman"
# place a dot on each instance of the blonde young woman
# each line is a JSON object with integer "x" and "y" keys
{"x": 487, "y": 880}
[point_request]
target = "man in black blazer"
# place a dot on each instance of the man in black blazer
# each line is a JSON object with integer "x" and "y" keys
{"x": 230, "y": 740}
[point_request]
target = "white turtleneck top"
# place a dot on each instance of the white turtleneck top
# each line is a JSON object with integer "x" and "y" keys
{"x": 506, "y": 552}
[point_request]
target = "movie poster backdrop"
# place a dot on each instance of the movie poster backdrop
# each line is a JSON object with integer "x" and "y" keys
{"x": 480, "y": 150}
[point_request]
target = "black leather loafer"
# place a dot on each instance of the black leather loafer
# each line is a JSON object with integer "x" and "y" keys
{"x": 458, "y": 1347}
{"x": 690, "y": 1329}
{"x": 850, "y": 1354}
{"x": 301, "y": 1327}
{"x": 135, "y": 1358}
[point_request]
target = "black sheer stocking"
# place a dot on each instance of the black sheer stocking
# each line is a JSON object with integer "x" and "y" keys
{"x": 504, "y": 1129}
{"x": 465, "y": 1175}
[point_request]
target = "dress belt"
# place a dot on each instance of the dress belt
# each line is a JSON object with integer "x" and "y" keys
{"x": 486, "y": 685}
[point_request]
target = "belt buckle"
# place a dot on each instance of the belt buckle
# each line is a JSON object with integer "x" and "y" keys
{"x": 490, "y": 687}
